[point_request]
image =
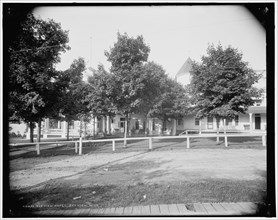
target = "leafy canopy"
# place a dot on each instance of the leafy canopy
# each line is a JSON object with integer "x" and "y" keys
{"x": 127, "y": 57}
{"x": 32, "y": 56}
{"x": 99, "y": 93}
{"x": 70, "y": 104}
{"x": 173, "y": 102}
{"x": 222, "y": 83}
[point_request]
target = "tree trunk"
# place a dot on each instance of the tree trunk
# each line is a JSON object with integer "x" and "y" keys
{"x": 217, "y": 126}
{"x": 68, "y": 130}
{"x": 225, "y": 125}
{"x": 164, "y": 125}
{"x": 174, "y": 131}
{"x": 85, "y": 129}
{"x": 125, "y": 134}
{"x": 146, "y": 127}
{"x": 104, "y": 123}
{"x": 80, "y": 132}
{"x": 200, "y": 126}
{"x": 94, "y": 127}
{"x": 32, "y": 132}
{"x": 39, "y": 131}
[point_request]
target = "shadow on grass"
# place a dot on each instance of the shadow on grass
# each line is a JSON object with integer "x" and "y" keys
{"x": 62, "y": 150}
{"x": 107, "y": 196}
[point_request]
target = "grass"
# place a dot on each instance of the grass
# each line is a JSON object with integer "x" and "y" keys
{"x": 100, "y": 196}
{"x": 95, "y": 196}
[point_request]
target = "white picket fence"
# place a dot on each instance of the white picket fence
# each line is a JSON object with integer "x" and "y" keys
{"x": 79, "y": 143}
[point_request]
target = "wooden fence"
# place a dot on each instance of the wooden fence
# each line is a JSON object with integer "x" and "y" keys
{"x": 79, "y": 143}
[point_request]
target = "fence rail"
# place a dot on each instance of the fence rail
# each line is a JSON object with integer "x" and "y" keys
{"x": 79, "y": 143}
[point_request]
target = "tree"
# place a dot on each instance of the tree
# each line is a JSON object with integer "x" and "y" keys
{"x": 71, "y": 101}
{"x": 222, "y": 84}
{"x": 32, "y": 56}
{"x": 99, "y": 93}
{"x": 127, "y": 57}
{"x": 152, "y": 77}
{"x": 173, "y": 102}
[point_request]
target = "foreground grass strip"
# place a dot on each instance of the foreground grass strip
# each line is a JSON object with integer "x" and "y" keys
{"x": 204, "y": 191}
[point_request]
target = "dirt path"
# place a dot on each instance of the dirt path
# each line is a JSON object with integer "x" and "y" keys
{"x": 134, "y": 167}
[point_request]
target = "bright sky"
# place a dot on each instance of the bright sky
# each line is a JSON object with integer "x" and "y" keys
{"x": 172, "y": 32}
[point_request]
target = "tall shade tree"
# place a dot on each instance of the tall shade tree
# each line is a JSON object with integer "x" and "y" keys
{"x": 173, "y": 102}
{"x": 222, "y": 84}
{"x": 152, "y": 78}
{"x": 70, "y": 105}
{"x": 99, "y": 93}
{"x": 127, "y": 57}
{"x": 32, "y": 56}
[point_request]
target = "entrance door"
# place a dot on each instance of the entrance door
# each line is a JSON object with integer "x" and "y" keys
{"x": 257, "y": 121}
{"x": 210, "y": 123}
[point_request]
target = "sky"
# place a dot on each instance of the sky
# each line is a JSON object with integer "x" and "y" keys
{"x": 173, "y": 33}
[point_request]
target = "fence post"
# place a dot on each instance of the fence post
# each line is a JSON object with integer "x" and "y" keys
{"x": 264, "y": 140}
{"x": 150, "y": 143}
{"x": 38, "y": 148}
{"x": 76, "y": 145}
{"x": 226, "y": 141}
{"x": 188, "y": 142}
{"x": 80, "y": 146}
{"x": 113, "y": 145}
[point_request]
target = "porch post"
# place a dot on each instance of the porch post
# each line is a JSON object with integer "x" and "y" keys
{"x": 108, "y": 125}
{"x": 95, "y": 125}
{"x": 64, "y": 129}
{"x": 150, "y": 126}
{"x": 103, "y": 125}
{"x": 225, "y": 128}
{"x": 250, "y": 122}
{"x": 200, "y": 126}
{"x": 46, "y": 127}
{"x": 174, "y": 131}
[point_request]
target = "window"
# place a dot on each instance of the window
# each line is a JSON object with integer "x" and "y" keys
{"x": 228, "y": 121}
{"x": 180, "y": 121}
{"x": 53, "y": 123}
{"x": 71, "y": 125}
{"x": 136, "y": 124}
{"x": 122, "y": 122}
{"x": 236, "y": 120}
{"x": 209, "y": 122}
{"x": 258, "y": 103}
{"x": 153, "y": 124}
{"x": 197, "y": 122}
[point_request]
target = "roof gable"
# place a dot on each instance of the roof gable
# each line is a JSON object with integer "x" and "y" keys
{"x": 186, "y": 67}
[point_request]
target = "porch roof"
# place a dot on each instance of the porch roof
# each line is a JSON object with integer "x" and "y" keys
{"x": 257, "y": 109}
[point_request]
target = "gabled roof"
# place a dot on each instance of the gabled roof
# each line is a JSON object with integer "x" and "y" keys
{"x": 186, "y": 67}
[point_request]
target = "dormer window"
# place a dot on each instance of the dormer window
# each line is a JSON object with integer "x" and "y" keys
{"x": 258, "y": 103}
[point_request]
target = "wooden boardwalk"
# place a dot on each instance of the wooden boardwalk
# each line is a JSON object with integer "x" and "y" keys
{"x": 199, "y": 209}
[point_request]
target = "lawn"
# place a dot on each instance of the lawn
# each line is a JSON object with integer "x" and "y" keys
{"x": 170, "y": 173}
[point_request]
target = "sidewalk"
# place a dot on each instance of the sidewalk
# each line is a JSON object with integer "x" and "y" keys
{"x": 200, "y": 209}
